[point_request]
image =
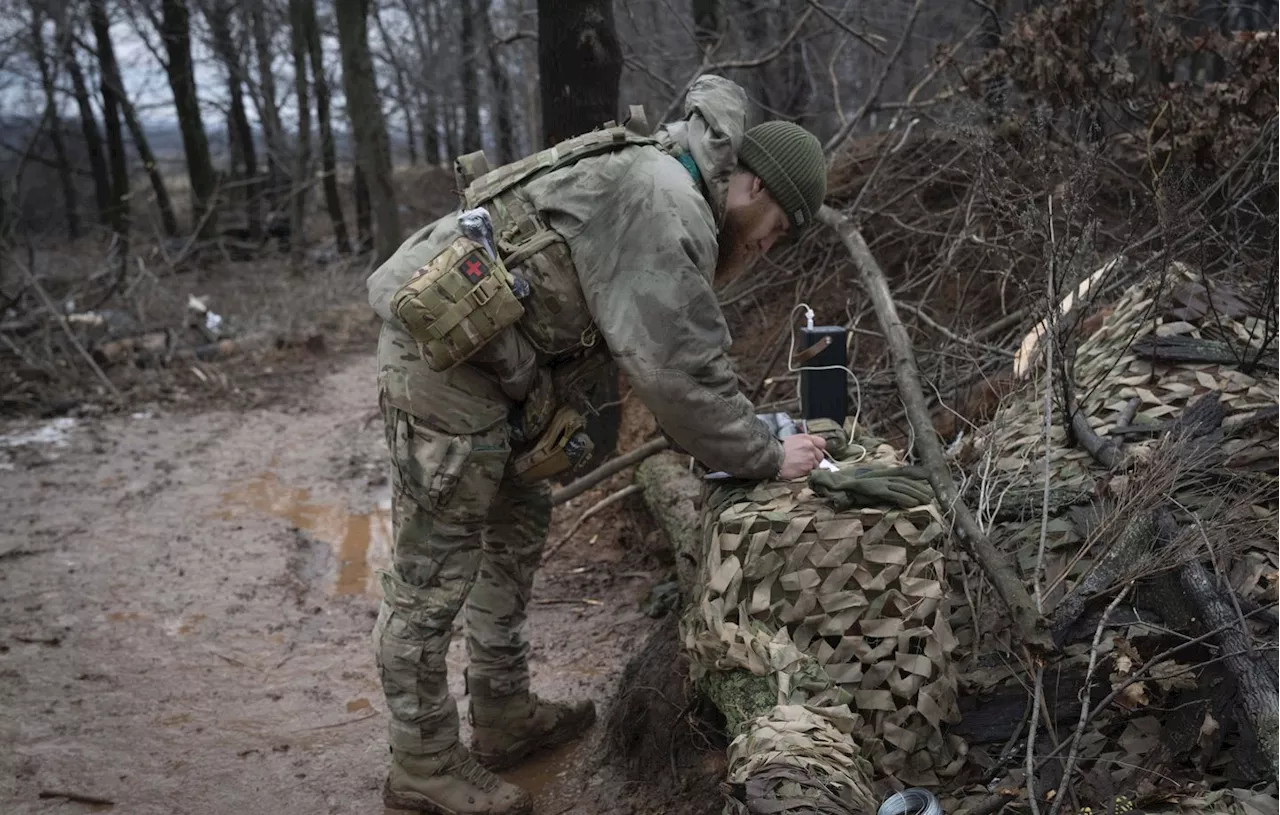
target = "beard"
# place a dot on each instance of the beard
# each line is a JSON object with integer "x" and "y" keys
{"x": 733, "y": 255}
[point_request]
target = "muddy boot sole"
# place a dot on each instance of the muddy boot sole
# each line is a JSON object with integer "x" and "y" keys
{"x": 507, "y": 759}
{"x": 416, "y": 803}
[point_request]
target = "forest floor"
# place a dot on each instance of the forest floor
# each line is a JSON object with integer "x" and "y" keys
{"x": 188, "y": 588}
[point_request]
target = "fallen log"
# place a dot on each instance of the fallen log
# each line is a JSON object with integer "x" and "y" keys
{"x": 1254, "y": 672}
{"x": 671, "y": 492}
{"x": 816, "y": 627}
{"x": 151, "y": 345}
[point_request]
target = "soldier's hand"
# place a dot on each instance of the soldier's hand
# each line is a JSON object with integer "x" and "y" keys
{"x": 800, "y": 454}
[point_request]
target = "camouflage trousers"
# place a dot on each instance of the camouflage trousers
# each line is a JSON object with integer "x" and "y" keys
{"x": 465, "y": 536}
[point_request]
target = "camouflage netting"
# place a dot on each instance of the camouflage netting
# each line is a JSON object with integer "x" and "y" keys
{"x": 1115, "y": 387}
{"x": 844, "y": 613}
{"x": 1008, "y": 455}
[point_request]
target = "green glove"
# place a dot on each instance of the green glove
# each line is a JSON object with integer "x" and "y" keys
{"x": 867, "y": 487}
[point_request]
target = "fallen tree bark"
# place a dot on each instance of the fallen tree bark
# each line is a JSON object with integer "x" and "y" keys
{"x": 671, "y": 493}
{"x": 1255, "y": 677}
{"x": 1030, "y": 625}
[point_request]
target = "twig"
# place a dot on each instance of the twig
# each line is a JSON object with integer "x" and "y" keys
{"x": 1048, "y": 469}
{"x": 77, "y": 797}
{"x": 1084, "y": 703}
{"x": 66, "y": 329}
{"x": 631, "y": 489}
{"x": 951, "y": 335}
{"x": 363, "y": 718}
{"x": 992, "y": 803}
{"x": 515, "y": 37}
{"x": 617, "y": 465}
{"x": 1031, "y": 740}
{"x": 1028, "y": 622}
{"x": 708, "y": 67}
{"x": 846, "y": 28}
{"x": 848, "y": 126}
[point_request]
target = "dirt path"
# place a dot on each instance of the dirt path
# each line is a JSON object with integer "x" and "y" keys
{"x": 186, "y": 602}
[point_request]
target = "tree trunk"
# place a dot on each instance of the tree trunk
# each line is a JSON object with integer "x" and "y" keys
{"x": 111, "y": 79}
{"x": 119, "y": 211}
{"x": 364, "y": 223}
{"x": 55, "y": 122}
{"x": 708, "y": 22}
{"x": 168, "y": 220}
{"x": 452, "y": 131}
{"x": 327, "y": 160}
{"x": 301, "y": 175}
{"x": 430, "y": 131}
{"x": 671, "y": 494}
{"x": 469, "y": 66}
{"x": 403, "y": 99}
{"x": 502, "y": 107}
{"x": 176, "y": 33}
{"x": 268, "y": 107}
{"x": 427, "y": 97}
{"x": 580, "y": 63}
{"x": 218, "y": 16}
{"x": 88, "y": 125}
{"x": 372, "y": 147}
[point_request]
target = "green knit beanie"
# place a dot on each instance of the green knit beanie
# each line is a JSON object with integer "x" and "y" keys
{"x": 788, "y": 160}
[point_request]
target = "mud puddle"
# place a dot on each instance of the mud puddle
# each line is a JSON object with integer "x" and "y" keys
{"x": 360, "y": 543}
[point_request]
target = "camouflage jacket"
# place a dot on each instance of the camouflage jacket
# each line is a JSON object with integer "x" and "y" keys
{"x": 642, "y": 233}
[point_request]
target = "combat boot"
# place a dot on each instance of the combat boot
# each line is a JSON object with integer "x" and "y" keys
{"x": 450, "y": 783}
{"x": 505, "y": 730}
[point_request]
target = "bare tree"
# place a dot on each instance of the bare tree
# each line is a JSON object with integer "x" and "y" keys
{"x": 47, "y": 83}
{"x": 88, "y": 121}
{"x": 503, "y": 115}
{"x": 175, "y": 30}
{"x": 119, "y": 209}
{"x": 112, "y": 79}
{"x": 428, "y": 113}
{"x": 708, "y": 22}
{"x": 365, "y": 110}
{"x": 301, "y": 175}
{"x": 329, "y": 164}
{"x": 580, "y": 63}
{"x": 470, "y": 78}
{"x": 218, "y": 13}
{"x": 266, "y": 98}
{"x": 403, "y": 100}
{"x": 364, "y": 210}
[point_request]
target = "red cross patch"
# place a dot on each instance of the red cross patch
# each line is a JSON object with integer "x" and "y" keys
{"x": 472, "y": 268}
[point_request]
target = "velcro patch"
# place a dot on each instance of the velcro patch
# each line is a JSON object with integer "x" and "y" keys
{"x": 473, "y": 267}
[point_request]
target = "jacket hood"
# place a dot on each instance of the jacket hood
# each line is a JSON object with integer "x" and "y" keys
{"x": 715, "y": 119}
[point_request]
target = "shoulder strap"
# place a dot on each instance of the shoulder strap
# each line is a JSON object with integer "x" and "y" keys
{"x": 568, "y": 152}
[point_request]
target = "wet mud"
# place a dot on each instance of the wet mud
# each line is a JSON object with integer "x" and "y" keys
{"x": 186, "y": 603}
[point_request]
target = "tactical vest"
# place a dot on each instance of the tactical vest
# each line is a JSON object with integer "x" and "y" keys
{"x": 556, "y": 320}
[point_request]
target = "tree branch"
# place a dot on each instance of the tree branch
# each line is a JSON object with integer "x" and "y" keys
{"x": 617, "y": 465}
{"x": 709, "y": 67}
{"x": 848, "y": 126}
{"x": 1029, "y": 624}
{"x": 845, "y": 27}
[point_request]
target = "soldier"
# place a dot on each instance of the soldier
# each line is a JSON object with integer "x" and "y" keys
{"x": 619, "y": 236}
